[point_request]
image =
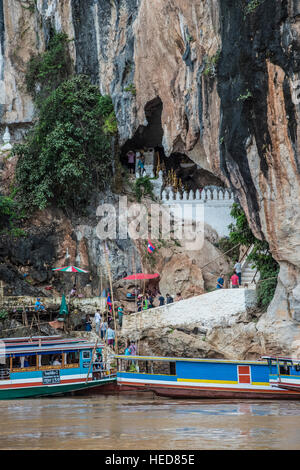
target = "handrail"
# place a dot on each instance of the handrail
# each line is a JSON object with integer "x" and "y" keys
{"x": 245, "y": 256}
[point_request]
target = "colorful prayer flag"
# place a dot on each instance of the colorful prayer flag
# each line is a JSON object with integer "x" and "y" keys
{"x": 151, "y": 247}
{"x": 108, "y": 301}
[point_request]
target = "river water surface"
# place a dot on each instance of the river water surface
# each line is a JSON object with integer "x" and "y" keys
{"x": 129, "y": 422}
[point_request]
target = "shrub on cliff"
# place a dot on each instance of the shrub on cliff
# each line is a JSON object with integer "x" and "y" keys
{"x": 68, "y": 152}
{"x": 46, "y": 71}
{"x": 260, "y": 256}
{"x": 10, "y": 214}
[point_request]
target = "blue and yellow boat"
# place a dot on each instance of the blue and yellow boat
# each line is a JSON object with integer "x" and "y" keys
{"x": 269, "y": 378}
{"x": 44, "y": 366}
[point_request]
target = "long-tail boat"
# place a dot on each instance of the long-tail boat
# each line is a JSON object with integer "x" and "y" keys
{"x": 44, "y": 366}
{"x": 284, "y": 373}
{"x": 268, "y": 378}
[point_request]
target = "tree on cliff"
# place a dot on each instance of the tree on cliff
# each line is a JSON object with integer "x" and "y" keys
{"x": 68, "y": 153}
{"x": 260, "y": 256}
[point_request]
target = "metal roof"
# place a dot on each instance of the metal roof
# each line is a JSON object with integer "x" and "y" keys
{"x": 189, "y": 359}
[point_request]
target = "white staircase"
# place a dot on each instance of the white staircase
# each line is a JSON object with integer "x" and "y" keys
{"x": 250, "y": 276}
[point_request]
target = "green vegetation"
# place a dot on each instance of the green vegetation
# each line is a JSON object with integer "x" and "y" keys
{"x": 46, "y": 71}
{"x": 244, "y": 97}
{"x": 251, "y": 6}
{"x": 29, "y": 5}
{"x": 260, "y": 256}
{"x": 211, "y": 64}
{"x": 143, "y": 187}
{"x": 131, "y": 88}
{"x": 10, "y": 214}
{"x": 68, "y": 152}
{"x": 3, "y": 315}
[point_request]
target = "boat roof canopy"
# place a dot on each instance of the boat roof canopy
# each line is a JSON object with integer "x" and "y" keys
{"x": 185, "y": 359}
{"x": 282, "y": 359}
{"x": 50, "y": 349}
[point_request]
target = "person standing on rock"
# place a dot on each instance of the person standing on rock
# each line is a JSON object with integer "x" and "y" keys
{"x": 132, "y": 348}
{"x": 238, "y": 270}
{"x": 141, "y": 165}
{"x": 235, "y": 281}
{"x": 139, "y": 303}
{"x": 103, "y": 329}
{"x": 97, "y": 318}
{"x": 169, "y": 299}
{"x": 131, "y": 161}
{"x": 161, "y": 300}
{"x": 88, "y": 323}
{"x": 120, "y": 315}
{"x": 220, "y": 282}
{"x": 110, "y": 336}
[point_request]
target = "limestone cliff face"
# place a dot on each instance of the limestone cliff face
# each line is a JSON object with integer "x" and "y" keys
{"x": 225, "y": 74}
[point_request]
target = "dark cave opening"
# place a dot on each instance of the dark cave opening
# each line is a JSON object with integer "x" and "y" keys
{"x": 178, "y": 168}
{"x": 150, "y": 136}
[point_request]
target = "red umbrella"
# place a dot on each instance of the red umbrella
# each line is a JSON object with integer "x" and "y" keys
{"x": 140, "y": 276}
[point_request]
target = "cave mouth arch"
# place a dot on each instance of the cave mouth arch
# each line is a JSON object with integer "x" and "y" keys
{"x": 149, "y": 136}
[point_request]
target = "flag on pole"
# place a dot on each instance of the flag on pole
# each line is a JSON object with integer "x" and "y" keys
{"x": 108, "y": 301}
{"x": 151, "y": 247}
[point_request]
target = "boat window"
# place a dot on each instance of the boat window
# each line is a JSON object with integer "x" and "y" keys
{"x": 164, "y": 368}
{"x": 86, "y": 355}
{"x": 50, "y": 360}
{"x": 172, "y": 368}
{"x": 46, "y": 360}
{"x": 144, "y": 367}
{"x": 284, "y": 369}
{"x": 72, "y": 357}
{"x": 22, "y": 362}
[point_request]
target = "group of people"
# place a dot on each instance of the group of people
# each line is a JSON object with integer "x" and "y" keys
{"x": 136, "y": 159}
{"x": 103, "y": 327}
{"x": 236, "y": 278}
{"x": 146, "y": 301}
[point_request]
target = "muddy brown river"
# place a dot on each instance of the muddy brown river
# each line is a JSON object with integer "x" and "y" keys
{"x": 129, "y": 422}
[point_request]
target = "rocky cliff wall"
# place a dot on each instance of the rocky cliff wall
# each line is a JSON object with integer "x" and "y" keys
{"x": 225, "y": 72}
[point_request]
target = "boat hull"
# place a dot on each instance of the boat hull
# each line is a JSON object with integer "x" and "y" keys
{"x": 12, "y": 393}
{"x": 211, "y": 393}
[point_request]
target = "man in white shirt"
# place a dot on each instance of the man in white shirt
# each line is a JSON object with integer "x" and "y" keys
{"x": 98, "y": 319}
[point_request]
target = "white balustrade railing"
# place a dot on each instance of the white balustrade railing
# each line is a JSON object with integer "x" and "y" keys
{"x": 207, "y": 194}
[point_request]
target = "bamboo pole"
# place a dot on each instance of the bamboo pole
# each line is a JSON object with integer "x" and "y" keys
{"x": 112, "y": 296}
{"x": 220, "y": 256}
{"x": 101, "y": 286}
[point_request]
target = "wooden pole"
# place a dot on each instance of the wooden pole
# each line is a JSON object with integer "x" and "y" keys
{"x": 112, "y": 295}
{"x": 100, "y": 275}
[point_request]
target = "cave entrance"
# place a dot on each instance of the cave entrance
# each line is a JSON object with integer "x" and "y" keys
{"x": 179, "y": 171}
{"x": 148, "y": 139}
{"x": 182, "y": 173}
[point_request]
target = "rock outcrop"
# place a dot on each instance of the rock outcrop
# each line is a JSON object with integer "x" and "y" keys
{"x": 224, "y": 76}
